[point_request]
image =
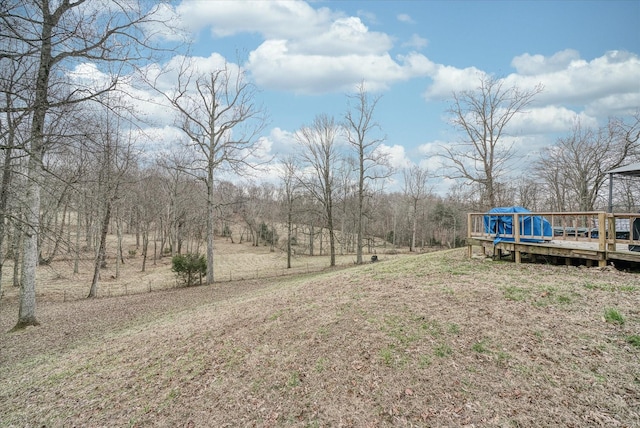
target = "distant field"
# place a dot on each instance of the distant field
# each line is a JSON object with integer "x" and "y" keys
{"x": 424, "y": 340}
{"x": 232, "y": 262}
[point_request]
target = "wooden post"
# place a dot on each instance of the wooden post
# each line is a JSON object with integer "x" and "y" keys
{"x": 516, "y": 237}
{"x": 611, "y": 230}
{"x": 469, "y": 246}
{"x": 602, "y": 238}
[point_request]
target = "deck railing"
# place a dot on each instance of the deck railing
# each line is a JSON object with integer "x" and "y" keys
{"x": 606, "y": 229}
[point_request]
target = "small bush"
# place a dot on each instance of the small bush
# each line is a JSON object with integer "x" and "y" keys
{"x": 189, "y": 268}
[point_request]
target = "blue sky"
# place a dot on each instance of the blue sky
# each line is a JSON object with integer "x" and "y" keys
{"x": 306, "y": 56}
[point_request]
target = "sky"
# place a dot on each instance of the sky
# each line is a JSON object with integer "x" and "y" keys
{"x": 305, "y": 57}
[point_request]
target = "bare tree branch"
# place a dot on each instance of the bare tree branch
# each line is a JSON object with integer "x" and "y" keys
{"x": 483, "y": 116}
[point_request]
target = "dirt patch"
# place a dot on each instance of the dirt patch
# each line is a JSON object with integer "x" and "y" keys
{"x": 429, "y": 340}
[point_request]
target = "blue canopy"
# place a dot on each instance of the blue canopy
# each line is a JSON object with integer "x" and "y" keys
{"x": 532, "y": 228}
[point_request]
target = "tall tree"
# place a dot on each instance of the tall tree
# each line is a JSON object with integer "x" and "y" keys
{"x": 13, "y": 78}
{"x": 483, "y": 116}
{"x": 578, "y": 163}
{"x": 219, "y": 116}
{"x": 114, "y": 160}
{"x": 372, "y": 163}
{"x": 56, "y": 36}
{"x": 416, "y": 190}
{"x": 289, "y": 195}
{"x": 150, "y": 201}
{"x": 319, "y": 158}
{"x": 549, "y": 171}
{"x": 180, "y": 198}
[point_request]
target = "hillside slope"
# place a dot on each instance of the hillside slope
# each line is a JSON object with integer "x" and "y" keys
{"x": 430, "y": 340}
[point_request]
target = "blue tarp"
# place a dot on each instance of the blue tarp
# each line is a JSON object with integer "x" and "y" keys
{"x": 532, "y": 228}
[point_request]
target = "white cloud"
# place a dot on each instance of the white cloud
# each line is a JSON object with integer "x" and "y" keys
{"x": 307, "y": 50}
{"x": 274, "y": 19}
{"x": 531, "y": 65}
{"x": 431, "y": 153}
{"x": 576, "y": 79}
{"x": 573, "y": 87}
{"x": 416, "y": 42}
{"x": 448, "y": 79}
{"x": 615, "y": 74}
{"x": 281, "y": 142}
{"x": 88, "y": 75}
{"x": 368, "y": 16}
{"x": 614, "y": 105}
{"x": 273, "y": 66}
{"x": 396, "y": 155}
{"x": 156, "y": 139}
{"x": 263, "y": 149}
{"x": 403, "y": 17}
{"x": 344, "y": 36}
{"x": 549, "y": 119}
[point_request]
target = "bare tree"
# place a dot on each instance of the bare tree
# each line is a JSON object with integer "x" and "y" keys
{"x": 218, "y": 114}
{"x": 150, "y": 201}
{"x": 114, "y": 152}
{"x": 482, "y": 116}
{"x": 289, "y": 195}
{"x": 54, "y": 36}
{"x": 575, "y": 168}
{"x": 529, "y": 193}
{"x": 12, "y": 79}
{"x": 549, "y": 171}
{"x": 372, "y": 163}
{"x": 180, "y": 199}
{"x": 253, "y": 210}
{"x": 415, "y": 188}
{"x": 319, "y": 159}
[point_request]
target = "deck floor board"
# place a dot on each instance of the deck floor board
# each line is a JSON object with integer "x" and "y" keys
{"x": 578, "y": 249}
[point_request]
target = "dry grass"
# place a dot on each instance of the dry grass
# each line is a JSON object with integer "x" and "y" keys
{"x": 428, "y": 340}
{"x": 232, "y": 262}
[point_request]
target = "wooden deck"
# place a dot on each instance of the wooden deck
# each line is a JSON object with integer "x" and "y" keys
{"x": 577, "y": 238}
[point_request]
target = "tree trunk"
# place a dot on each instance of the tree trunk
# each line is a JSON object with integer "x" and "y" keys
{"x": 15, "y": 249}
{"x": 119, "y": 258}
{"x": 155, "y": 249}
{"x": 76, "y": 258}
{"x": 414, "y": 226}
{"x": 59, "y": 234}
{"x": 137, "y": 229}
{"x": 27, "y": 310}
{"x": 360, "y": 209}
{"x": 100, "y": 256}
{"x": 145, "y": 247}
{"x": 210, "y": 225}
{"x": 4, "y": 196}
{"x": 289, "y": 221}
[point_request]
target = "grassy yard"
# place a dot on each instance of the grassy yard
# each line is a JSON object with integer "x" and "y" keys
{"x": 425, "y": 340}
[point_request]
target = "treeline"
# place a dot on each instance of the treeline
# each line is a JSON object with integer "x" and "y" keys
{"x": 90, "y": 188}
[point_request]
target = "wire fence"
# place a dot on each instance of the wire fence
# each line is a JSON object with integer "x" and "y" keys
{"x": 55, "y": 282}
